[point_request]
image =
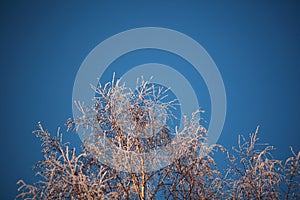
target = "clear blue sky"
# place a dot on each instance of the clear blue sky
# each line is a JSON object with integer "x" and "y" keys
{"x": 256, "y": 46}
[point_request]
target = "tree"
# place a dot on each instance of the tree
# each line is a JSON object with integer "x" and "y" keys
{"x": 125, "y": 128}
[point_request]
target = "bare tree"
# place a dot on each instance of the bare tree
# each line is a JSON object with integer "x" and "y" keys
{"x": 254, "y": 172}
{"x": 291, "y": 176}
{"x": 131, "y": 151}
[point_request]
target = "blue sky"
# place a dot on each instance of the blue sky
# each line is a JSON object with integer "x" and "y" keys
{"x": 254, "y": 44}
